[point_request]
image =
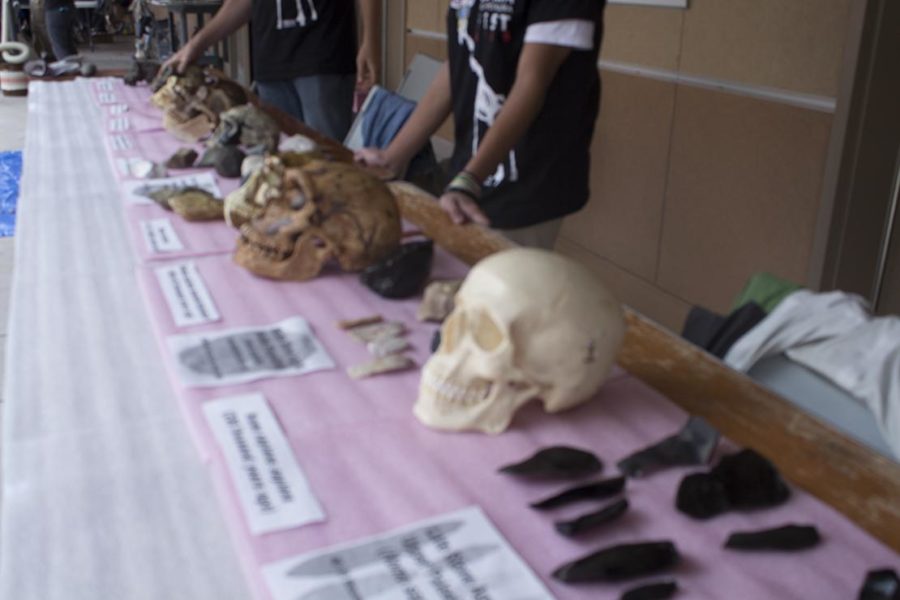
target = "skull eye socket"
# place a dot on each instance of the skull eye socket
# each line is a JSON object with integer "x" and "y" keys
{"x": 452, "y": 330}
{"x": 487, "y": 335}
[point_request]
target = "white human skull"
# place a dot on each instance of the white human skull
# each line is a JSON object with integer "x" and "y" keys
{"x": 527, "y": 324}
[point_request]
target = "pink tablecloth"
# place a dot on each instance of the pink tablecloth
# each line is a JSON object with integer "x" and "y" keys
{"x": 374, "y": 467}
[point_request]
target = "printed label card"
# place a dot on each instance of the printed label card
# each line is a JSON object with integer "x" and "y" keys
{"x": 245, "y": 354}
{"x": 121, "y": 142}
{"x": 272, "y": 488}
{"x": 117, "y": 109}
{"x": 457, "y": 555}
{"x": 186, "y": 294}
{"x": 139, "y": 192}
{"x": 119, "y": 124}
{"x": 105, "y": 85}
{"x": 160, "y": 236}
{"x": 107, "y": 98}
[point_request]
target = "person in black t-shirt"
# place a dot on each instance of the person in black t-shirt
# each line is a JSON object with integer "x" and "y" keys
{"x": 523, "y": 87}
{"x": 304, "y": 54}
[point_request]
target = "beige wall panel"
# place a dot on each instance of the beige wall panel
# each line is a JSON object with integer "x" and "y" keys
{"x": 642, "y": 35}
{"x": 628, "y": 174}
{"x": 793, "y": 45}
{"x": 423, "y": 14}
{"x": 744, "y": 185}
{"x": 647, "y": 299}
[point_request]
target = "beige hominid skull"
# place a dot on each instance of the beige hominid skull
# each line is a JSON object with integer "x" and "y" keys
{"x": 323, "y": 211}
{"x": 527, "y": 324}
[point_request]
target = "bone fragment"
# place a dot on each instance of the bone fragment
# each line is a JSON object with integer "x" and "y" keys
{"x": 387, "y": 364}
{"x": 353, "y": 323}
{"x": 368, "y": 333}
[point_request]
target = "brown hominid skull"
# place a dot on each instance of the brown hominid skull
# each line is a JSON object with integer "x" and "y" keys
{"x": 324, "y": 211}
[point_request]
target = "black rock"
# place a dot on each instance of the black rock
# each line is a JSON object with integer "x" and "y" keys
{"x": 693, "y": 445}
{"x": 183, "y": 158}
{"x": 616, "y": 563}
{"x": 882, "y": 584}
{"x": 590, "y": 491}
{"x": 701, "y": 496}
{"x": 788, "y": 537}
{"x": 402, "y": 273}
{"x": 592, "y": 520}
{"x": 652, "y": 591}
{"x": 750, "y": 481}
{"x": 225, "y": 159}
{"x": 556, "y": 462}
{"x": 436, "y": 341}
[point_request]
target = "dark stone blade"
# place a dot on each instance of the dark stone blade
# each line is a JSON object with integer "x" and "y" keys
{"x": 788, "y": 537}
{"x": 591, "y": 491}
{"x": 621, "y": 562}
{"x": 556, "y": 462}
{"x": 652, "y": 591}
{"x": 701, "y": 496}
{"x": 593, "y": 520}
{"x": 402, "y": 273}
{"x": 693, "y": 445}
{"x": 882, "y": 584}
{"x": 750, "y": 481}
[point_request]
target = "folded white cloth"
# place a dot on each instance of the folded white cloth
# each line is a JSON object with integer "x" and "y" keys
{"x": 865, "y": 361}
{"x": 802, "y": 318}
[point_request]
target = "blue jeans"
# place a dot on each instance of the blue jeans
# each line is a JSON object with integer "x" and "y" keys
{"x": 324, "y": 102}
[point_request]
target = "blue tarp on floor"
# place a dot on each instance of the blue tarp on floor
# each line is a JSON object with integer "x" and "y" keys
{"x": 10, "y": 173}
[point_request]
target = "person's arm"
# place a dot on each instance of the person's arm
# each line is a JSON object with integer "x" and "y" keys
{"x": 368, "y": 59}
{"x": 231, "y": 16}
{"x": 537, "y": 67}
{"x": 431, "y": 111}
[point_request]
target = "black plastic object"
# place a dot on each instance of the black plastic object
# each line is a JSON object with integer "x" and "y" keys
{"x": 590, "y": 491}
{"x": 701, "y": 496}
{"x": 556, "y": 462}
{"x": 592, "y": 520}
{"x": 882, "y": 584}
{"x": 403, "y": 273}
{"x": 652, "y": 591}
{"x": 693, "y": 445}
{"x": 617, "y": 563}
{"x": 743, "y": 481}
{"x": 788, "y": 537}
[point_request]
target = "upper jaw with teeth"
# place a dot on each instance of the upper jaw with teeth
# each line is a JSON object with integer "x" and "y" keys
{"x": 448, "y": 394}
{"x": 251, "y": 239}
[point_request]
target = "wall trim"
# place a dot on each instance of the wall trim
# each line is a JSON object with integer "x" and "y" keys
{"x": 824, "y": 104}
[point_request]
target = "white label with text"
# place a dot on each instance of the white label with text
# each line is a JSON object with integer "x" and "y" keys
{"x": 186, "y": 294}
{"x": 160, "y": 236}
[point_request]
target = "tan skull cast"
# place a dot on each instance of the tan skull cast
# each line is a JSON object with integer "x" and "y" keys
{"x": 527, "y": 324}
{"x": 192, "y": 101}
{"x": 324, "y": 211}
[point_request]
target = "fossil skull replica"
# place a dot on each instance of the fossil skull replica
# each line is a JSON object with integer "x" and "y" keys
{"x": 192, "y": 101}
{"x": 248, "y": 126}
{"x": 527, "y": 324}
{"x": 262, "y": 186}
{"x": 323, "y": 211}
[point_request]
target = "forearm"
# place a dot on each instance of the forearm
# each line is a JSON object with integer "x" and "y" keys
{"x": 370, "y": 12}
{"x": 432, "y": 110}
{"x": 230, "y": 17}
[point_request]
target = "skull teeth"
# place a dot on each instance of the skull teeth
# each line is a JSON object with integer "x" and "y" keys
{"x": 261, "y": 247}
{"x": 449, "y": 394}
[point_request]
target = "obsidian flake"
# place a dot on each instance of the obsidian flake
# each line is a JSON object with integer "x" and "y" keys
{"x": 881, "y": 584}
{"x": 750, "y": 480}
{"x": 590, "y": 491}
{"x": 556, "y": 462}
{"x": 787, "y": 537}
{"x": 403, "y": 273}
{"x": 592, "y": 520}
{"x": 701, "y": 496}
{"x": 617, "y": 563}
{"x": 652, "y": 591}
{"x": 692, "y": 445}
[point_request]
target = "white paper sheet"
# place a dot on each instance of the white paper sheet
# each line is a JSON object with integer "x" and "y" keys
{"x": 160, "y": 236}
{"x": 136, "y": 191}
{"x": 121, "y": 142}
{"x": 245, "y": 354}
{"x": 458, "y": 555}
{"x": 107, "y": 98}
{"x": 273, "y": 491}
{"x": 120, "y": 124}
{"x": 189, "y": 301}
{"x": 117, "y": 109}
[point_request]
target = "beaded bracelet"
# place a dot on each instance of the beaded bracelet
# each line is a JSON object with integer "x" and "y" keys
{"x": 466, "y": 184}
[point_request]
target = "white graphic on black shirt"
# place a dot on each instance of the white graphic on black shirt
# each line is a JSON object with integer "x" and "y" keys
{"x": 306, "y": 13}
{"x": 487, "y": 105}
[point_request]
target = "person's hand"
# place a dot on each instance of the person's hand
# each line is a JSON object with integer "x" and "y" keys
{"x": 378, "y": 162}
{"x": 179, "y": 61}
{"x": 462, "y": 209}
{"x": 367, "y": 67}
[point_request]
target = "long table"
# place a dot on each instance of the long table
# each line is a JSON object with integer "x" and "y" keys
{"x": 105, "y": 495}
